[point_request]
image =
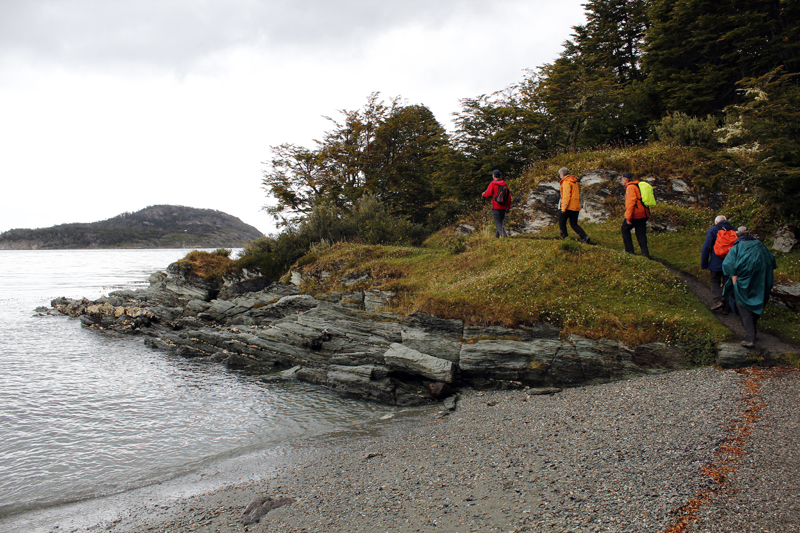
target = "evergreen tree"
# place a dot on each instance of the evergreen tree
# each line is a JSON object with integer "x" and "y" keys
{"x": 613, "y": 37}
{"x": 697, "y": 50}
{"x": 767, "y": 125}
{"x": 593, "y": 89}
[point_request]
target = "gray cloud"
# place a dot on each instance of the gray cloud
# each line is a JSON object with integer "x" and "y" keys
{"x": 175, "y": 34}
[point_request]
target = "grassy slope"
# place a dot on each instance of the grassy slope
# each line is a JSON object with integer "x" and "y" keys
{"x": 680, "y": 250}
{"x": 598, "y": 292}
{"x": 588, "y": 290}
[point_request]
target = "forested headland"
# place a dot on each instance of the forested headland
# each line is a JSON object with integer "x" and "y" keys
{"x": 156, "y": 226}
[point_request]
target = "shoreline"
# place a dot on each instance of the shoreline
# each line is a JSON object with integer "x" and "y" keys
{"x": 617, "y": 457}
{"x": 227, "y": 475}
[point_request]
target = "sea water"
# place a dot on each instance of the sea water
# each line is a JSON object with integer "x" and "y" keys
{"x": 86, "y": 414}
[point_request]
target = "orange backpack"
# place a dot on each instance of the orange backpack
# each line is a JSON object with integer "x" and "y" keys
{"x": 725, "y": 239}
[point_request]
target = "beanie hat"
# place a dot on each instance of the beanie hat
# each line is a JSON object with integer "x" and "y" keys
{"x": 496, "y": 173}
{"x": 627, "y": 175}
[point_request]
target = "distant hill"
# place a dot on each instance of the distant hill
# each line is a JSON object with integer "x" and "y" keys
{"x": 157, "y": 226}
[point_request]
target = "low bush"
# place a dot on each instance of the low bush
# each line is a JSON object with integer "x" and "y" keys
{"x": 370, "y": 222}
{"x": 206, "y": 265}
{"x": 682, "y": 130}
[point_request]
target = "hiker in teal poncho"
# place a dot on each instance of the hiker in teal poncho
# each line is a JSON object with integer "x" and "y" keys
{"x": 749, "y": 266}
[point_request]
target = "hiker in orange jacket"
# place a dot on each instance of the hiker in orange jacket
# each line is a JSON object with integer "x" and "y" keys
{"x": 499, "y": 210}
{"x": 570, "y": 205}
{"x": 636, "y": 215}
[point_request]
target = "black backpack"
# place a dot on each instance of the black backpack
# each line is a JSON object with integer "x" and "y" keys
{"x": 502, "y": 195}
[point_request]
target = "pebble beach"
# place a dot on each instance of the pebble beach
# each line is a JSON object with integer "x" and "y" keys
{"x": 696, "y": 450}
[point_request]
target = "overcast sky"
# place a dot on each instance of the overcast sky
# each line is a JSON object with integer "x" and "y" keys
{"x": 109, "y": 106}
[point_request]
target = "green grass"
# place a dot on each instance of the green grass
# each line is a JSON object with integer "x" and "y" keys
{"x": 681, "y": 251}
{"x": 591, "y": 291}
{"x": 594, "y": 291}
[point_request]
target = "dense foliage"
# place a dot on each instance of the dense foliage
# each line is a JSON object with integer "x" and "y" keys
{"x": 369, "y": 222}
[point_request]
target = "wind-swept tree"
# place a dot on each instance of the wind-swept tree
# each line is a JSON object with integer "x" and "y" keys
{"x": 404, "y": 159}
{"x": 505, "y": 130}
{"x": 297, "y": 181}
{"x": 391, "y": 151}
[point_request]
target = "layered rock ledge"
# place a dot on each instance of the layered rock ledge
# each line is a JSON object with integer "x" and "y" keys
{"x": 349, "y": 342}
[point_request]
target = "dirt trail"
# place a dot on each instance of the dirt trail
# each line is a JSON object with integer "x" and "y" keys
{"x": 764, "y": 341}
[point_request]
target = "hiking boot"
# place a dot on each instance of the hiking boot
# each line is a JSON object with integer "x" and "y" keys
{"x": 587, "y": 240}
{"x": 718, "y": 305}
{"x": 748, "y": 344}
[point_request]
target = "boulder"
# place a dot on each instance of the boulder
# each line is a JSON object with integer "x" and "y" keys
{"x": 734, "y": 355}
{"x": 181, "y": 281}
{"x": 399, "y": 357}
{"x": 786, "y": 295}
{"x": 784, "y": 239}
{"x": 658, "y": 355}
{"x": 540, "y": 209}
{"x": 464, "y": 229}
{"x": 376, "y": 300}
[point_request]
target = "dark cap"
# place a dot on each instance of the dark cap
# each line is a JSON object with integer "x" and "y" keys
{"x": 627, "y": 175}
{"x": 496, "y": 173}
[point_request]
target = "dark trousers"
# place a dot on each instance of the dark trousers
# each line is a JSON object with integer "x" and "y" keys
{"x": 749, "y": 321}
{"x": 572, "y": 216}
{"x": 639, "y": 225}
{"x": 499, "y": 216}
{"x": 718, "y": 280}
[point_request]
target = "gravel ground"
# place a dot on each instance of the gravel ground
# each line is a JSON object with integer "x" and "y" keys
{"x": 620, "y": 457}
{"x": 764, "y": 492}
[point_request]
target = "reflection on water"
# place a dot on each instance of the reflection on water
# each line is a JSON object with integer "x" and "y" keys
{"x": 84, "y": 413}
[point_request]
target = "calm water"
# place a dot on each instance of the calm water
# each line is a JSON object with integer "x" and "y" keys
{"x": 84, "y": 414}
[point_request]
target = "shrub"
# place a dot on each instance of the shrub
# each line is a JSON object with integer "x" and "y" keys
{"x": 683, "y": 130}
{"x": 206, "y": 265}
{"x": 370, "y": 222}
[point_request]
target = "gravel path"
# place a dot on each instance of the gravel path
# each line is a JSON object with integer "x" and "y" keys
{"x": 620, "y": 457}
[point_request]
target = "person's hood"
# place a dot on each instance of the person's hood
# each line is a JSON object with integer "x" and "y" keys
{"x": 499, "y": 182}
{"x": 569, "y": 177}
{"x": 745, "y": 238}
{"x": 725, "y": 225}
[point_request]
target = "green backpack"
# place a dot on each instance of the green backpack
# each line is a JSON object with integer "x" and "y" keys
{"x": 646, "y": 190}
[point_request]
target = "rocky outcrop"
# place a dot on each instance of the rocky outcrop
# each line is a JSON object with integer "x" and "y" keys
{"x": 350, "y": 343}
{"x": 600, "y": 195}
